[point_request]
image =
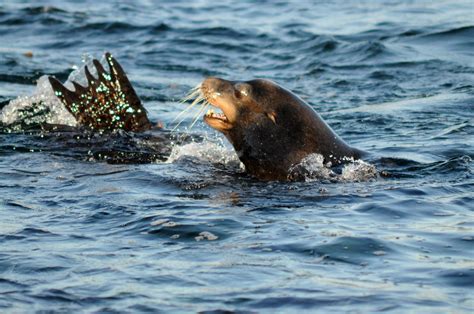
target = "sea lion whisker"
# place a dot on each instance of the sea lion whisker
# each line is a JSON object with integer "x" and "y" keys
{"x": 198, "y": 114}
{"x": 197, "y": 87}
{"x": 192, "y": 94}
{"x": 203, "y": 109}
{"x": 195, "y": 102}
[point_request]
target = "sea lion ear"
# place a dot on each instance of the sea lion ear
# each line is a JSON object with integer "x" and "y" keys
{"x": 272, "y": 116}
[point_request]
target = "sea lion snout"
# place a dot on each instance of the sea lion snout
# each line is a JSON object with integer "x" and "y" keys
{"x": 214, "y": 87}
{"x": 220, "y": 94}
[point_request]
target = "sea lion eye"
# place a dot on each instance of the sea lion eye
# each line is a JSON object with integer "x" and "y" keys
{"x": 243, "y": 89}
{"x": 237, "y": 94}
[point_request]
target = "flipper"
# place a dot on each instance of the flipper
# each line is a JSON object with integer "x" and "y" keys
{"x": 109, "y": 101}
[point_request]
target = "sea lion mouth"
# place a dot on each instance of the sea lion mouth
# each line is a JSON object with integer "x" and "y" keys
{"x": 217, "y": 120}
{"x": 210, "y": 114}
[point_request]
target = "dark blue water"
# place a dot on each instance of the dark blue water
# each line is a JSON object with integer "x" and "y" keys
{"x": 84, "y": 230}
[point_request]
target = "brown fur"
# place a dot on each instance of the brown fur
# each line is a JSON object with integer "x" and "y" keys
{"x": 270, "y": 128}
{"x": 108, "y": 102}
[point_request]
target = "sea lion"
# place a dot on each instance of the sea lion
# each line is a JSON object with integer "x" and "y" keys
{"x": 271, "y": 128}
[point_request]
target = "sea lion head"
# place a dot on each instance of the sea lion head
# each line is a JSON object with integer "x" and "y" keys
{"x": 241, "y": 102}
{"x": 270, "y": 128}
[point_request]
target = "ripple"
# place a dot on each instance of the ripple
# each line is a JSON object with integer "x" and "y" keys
{"x": 459, "y": 277}
{"x": 465, "y": 32}
{"x": 39, "y": 10}
{"x": 225, "y": 32}
{"x": 100, "y": 223}
{"x": 112, "y": 27}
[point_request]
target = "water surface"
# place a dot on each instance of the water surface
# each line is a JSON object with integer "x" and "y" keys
{"x": 84, "y": 229}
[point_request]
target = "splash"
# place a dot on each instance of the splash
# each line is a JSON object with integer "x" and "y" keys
{"x": 313, "y": 168}
{"x": 41, "y": 107}
{"x": 205, "y": 152}
{"x": 197, "y": 97}
{"x": 358, "y": 171}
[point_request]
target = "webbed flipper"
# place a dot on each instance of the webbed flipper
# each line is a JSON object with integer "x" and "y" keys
{"x": 108, "y": 102}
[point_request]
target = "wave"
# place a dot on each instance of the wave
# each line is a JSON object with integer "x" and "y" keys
{"x": 465, "y": 32}
{"x": 225, "y": 32}
{"x": 312, "y": 168}
{"x": 117, "y": 27}
{"x": 40, "y": 10}
{"x": 45, "y": 15}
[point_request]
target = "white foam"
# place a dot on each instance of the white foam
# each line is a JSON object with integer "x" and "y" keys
{"x": 205, "y": 152}
{"x": 358, "y": 170}
{"x": 206, "y": 235}
{"x": 43, "y": 94}
{"x": 313, "y": 168}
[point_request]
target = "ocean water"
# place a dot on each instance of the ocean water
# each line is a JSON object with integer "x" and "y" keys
{"x": 109, "y": 224}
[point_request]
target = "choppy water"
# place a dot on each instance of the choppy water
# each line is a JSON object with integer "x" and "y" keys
{"x": 395, "y": 78}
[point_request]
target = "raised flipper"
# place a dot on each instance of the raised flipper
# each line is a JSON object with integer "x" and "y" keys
{"x": 109, "y": 101}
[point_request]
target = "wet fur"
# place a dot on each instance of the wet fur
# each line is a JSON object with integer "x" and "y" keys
{"x": 275, "y": 130}
{"x": 108, "y": 102}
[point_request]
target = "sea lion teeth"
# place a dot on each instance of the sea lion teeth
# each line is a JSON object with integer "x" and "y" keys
{"x": 210, "y": 112}
{"x": 215, "y": 115}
